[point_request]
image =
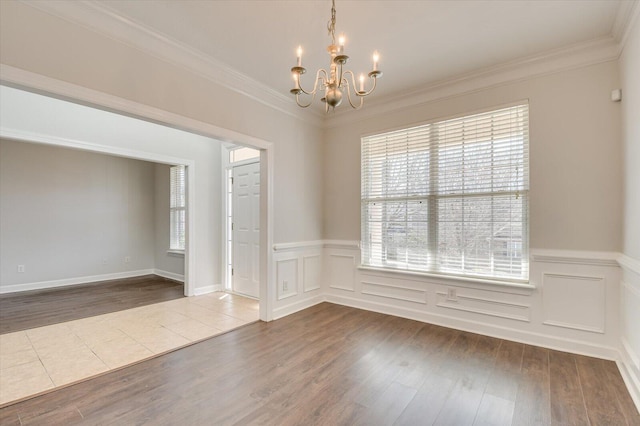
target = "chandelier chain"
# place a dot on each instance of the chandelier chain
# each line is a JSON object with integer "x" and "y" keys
{"x": 331, "y": 25}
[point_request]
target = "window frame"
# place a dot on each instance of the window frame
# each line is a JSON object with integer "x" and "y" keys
{"x": 177, "y": 206}
{"x": 433, "y": 198}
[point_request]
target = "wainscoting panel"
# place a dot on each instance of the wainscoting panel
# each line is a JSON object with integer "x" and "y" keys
{"x": 629, "y": 363}
{"x": 298, "y": 276}
{"x": 394, "y": 291}
{"x": 287, "y": 278}
{"x": 571, "y": 301}
{"x": 341, "y": 269}
{"x": 311, "y": 272}
{"x": 485, "y": 306}
{"x": 576, "y": 302}
{"x": 631, "y": 331}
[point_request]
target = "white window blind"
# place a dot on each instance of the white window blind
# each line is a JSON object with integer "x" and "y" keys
{"x": 449, "y": 197}
{"x": 177, "y": 208}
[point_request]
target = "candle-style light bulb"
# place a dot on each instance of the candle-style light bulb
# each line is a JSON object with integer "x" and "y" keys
{"x": 362, "y": 82}
{"x": 341, "y": 41}
{"x": 299, "y": 53}
{"x": 376, "y": 58}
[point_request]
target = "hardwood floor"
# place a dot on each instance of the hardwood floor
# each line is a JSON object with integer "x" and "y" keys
{"x": 30, "y": 309}
{"x": 332, "y": 365}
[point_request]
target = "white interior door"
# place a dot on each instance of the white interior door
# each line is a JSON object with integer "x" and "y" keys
{"x": 246, "y": 229}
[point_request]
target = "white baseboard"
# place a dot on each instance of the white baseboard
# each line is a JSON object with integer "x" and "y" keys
{"x": 42, "y": 285}
{"x": 169, "y": 275}
{"x": 199, "y": 291}
{"x": 297, "y": 306}
{"x": 500, "y": 332}
{"x": 630, "y": 371}
{"x": 631, "y": 381}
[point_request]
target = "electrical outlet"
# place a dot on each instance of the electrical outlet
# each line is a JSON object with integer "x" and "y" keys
{"x": 451, "y": 294}
{"x": 285, "y": 286}
{"x": 127, "y": 259}
{"x": 21, "y": 269}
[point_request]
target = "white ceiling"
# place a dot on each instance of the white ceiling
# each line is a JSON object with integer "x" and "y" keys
{"x": 420, "y": 42}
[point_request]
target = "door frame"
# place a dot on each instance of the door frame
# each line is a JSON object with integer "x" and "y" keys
{"x": 47, "y": 86}
{"x": 226, "y": 167}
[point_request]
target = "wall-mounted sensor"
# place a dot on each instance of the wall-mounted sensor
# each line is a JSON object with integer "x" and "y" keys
{"x": 616, "y": 95}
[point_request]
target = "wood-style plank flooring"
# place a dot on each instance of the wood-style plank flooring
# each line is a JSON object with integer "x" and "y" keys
{"x": 333, "y": 365}
{"x": 37, "y": 308}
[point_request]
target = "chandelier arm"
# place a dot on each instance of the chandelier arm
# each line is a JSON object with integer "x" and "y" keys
{"x": 375, "y": 80}
{"x": 315, "y": 85}
{"x": 313, "y": 96}
{"x": 353, "y": 81}
{"x": 347, "y": 85}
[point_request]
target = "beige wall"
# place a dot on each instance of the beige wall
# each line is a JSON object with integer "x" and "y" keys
{"x": 630, "y": 77}
{"x": 575, "y": 157}
{"x": 630, "y": 285}
{"x": 48, "y": 119}
{"x": 46, "y": 45}
{"x": 66, "y": 213}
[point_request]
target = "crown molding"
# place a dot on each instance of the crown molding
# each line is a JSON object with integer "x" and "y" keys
{"x": 576, "y": 56}
{"x": 627, "y": 13}
{"x": 99, "y": 18}
{"x": 627, "y": 18}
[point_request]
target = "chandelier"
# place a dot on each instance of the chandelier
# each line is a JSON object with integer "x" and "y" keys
{"x": 335, "y": 81}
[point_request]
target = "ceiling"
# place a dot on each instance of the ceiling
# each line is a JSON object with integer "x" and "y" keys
{"x": 420, "y": 42}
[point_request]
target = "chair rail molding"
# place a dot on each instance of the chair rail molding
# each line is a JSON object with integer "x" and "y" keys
{"x": 629, "y": 263}
{"x": 596, "y": 258}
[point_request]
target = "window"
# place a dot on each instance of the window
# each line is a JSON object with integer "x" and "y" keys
{"x": 177, "y": 208}
{"x": 242, "y": 154}
{"x": 449, "y": 197}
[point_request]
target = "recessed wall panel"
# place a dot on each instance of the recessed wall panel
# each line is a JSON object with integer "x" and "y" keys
{"x": 341, "y": 271}
{"x": 576, "y": 302}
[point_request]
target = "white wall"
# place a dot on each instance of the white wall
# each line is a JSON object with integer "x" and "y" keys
{"x": 66, "y": 214}
{"x": 167, "y": 264}
{"x": 630, "y": 261}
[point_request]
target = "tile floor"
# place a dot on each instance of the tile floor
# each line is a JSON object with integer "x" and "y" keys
{"x": 35, "y": 360}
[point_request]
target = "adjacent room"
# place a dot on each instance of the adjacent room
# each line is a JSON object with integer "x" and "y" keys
{"x": 320, "y": 212}
{"x": 70, "y": 217}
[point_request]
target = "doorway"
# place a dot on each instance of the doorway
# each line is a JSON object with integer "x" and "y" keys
{"x": 243, "y": 220}
{"x": 198, "y": 264}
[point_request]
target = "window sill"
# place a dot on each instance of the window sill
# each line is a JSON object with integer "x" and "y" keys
{"x": 521, "y": 285}
{"x": 176, "y": 253}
